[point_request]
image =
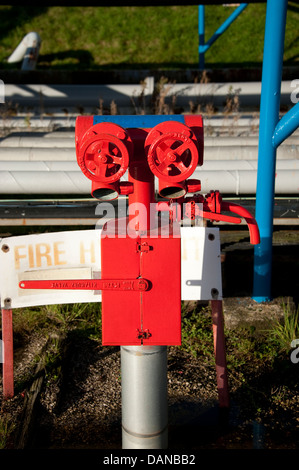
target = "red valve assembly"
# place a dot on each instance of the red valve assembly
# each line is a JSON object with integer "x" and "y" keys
{"x": 173, "y": 153}
{"x": 140, "y": 267}
{"x": 103, "y": 156}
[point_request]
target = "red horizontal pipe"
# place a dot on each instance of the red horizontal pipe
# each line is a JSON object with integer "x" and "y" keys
{"x": 250, "y": 220}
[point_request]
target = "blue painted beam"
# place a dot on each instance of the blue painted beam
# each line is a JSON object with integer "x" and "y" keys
{"x": 201, "y": 34}
{"x": 203, "y": 47}
{"x": 286, "y": 126}
{"x": 134, "y": 121}
{"x": 269, "y": 116}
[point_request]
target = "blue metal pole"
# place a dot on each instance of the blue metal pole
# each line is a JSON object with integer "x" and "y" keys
{"x": 201, "y": 34}
{"x": 269, "y": 115}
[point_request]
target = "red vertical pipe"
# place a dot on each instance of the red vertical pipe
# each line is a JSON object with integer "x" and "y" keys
{"x": 220, "y": 353}
{"x": 7, "y": 338}
{"x": 143, "y": 180}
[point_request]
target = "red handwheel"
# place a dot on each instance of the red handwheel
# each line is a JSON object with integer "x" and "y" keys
{"x": 172, "y": 151}
{"x": 104, "y": 153}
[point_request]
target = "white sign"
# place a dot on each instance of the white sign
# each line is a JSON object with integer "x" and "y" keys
{"x": 201, "y": 277}
{"x": 57, "y": 255}
{"x": 77, "y": 255}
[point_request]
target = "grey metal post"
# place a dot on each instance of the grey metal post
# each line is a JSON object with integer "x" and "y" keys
{"x": 144, "y": 397}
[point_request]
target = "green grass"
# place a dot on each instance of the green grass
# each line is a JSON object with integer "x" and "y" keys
{"x": 284, "y": 332}
{"x": 93, "y": 38}
{"x": 49, "y": 319}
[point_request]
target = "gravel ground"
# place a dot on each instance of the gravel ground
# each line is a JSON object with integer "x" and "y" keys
{"x": 82, "y": 410}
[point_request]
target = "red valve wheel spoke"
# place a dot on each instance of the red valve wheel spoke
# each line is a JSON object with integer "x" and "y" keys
{"x": 172, "y": 155}
{"x": 182, "y": 148}
{"x": 104, "y": 154}
{"x": 163, "y": 165}
{"x": 102, "y": 170}
{"x": 104, "y": 145}
{"x": 182, "y": 167}
{"x": 116, "y": 159}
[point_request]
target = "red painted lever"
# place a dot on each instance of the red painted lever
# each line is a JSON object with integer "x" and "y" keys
{"x": 88, "y": 284}
{"x": 220, "y": 217}
{"x": 251, "y": 222}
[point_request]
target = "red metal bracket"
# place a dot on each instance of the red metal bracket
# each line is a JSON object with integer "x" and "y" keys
{"x": 88, "y": 284}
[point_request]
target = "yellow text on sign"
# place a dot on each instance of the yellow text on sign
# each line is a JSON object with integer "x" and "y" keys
{"x": 52, "y": 254}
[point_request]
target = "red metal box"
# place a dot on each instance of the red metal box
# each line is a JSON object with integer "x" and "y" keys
{"x": 151, "y": 317}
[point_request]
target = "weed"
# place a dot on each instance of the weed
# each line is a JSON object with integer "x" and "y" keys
{"x": 284, "y": 332}
{"x": 232, "y": 104}
{"x": 197, "y": 334}
{"x": 162, "y": 89}
{"x": 6, "y": 429}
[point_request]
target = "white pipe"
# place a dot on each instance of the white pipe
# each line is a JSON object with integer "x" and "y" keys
{"x": 32, "y": 141}
{"x": 39, "y": 166}
{"x": 28, "y": 51}
{"x": 219, "y": 165}
{"x": 244, "y": 181}
{"x": 250, "y": 152}
{"x": 234, "y": 152}
{"x": 32, "y": 182}
{"x": 74, "y": 182}
{"x": 59, "y": 140}
{"x": 30, "y": 122}
{"x": 37, "y": 154}
{"x": 240, "y": 141}
{"x": 248, "y": 92}
{"x": 77, "y": 95}
{"x": 211, "y": 165}
{"x": 144, "y": 397}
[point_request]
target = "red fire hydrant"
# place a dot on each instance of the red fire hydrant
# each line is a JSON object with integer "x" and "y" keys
{"x": 169, "y": 150}
{"x": 141, "y": 253}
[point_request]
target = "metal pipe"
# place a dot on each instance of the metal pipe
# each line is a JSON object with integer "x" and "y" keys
{"x": 201, "y": 36}
{"x": 144, "y": 397}
{"x": 269, "y": 115}
{"x": 28, "y": 51}
{"x": 58, "y": 140}
{"x": 209, "y": 165}
{"x": 211, "y": 152}
{"x": 37, "y": 154}
{"x": 216, "y": 93}
{"x": 143, "y": 181}
{"x": 288, "y": 124}
{"x": 224, "y": 26}
{"x": 29, "y": 141}
{"x": 75, "y": 95}
{"x": 143, "y": 368}
{"x": 73, "y": 182}
{"x": 56, "y": 97}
